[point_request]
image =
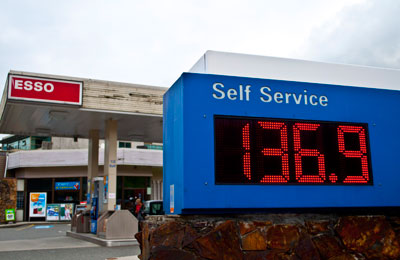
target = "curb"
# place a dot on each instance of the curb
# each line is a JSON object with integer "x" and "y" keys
{"x": 102, "y": 242}
{"x": 18, "y": 224}
{"x": 124, "y": 258}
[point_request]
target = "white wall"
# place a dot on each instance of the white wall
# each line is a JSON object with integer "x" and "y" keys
{"x": 79, "y": 157}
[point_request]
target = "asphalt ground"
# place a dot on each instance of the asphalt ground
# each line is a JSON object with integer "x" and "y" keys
{"x": 34, "y": 231}
{"x": 69, "y": 254}
{"x": 49, "y": 241}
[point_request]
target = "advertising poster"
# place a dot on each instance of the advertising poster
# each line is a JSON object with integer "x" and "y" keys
{"x": 171, "y": 198}
{"x": 66, "y": 211}
{"x": 53, "y": 212}
{"x": 88, "y": 193}
{"x": 69, "y": 185}
{"x": 37, "y": 204}
{"x": 10, "y": 214}
{"x": 105, "y": 199}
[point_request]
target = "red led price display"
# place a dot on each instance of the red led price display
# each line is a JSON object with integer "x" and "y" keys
{"x": 281, "y": 151}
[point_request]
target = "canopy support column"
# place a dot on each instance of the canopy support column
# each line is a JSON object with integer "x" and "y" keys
{"x": 93, "y": 162}
{"x": 110, "y": 165}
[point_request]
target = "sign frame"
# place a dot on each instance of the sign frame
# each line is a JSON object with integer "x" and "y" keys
{"x": 10, "y": 212}
{"x": 43, "y": 204}
{"x": 189, "y": 156}
{"x": 56, "y": 216}
{"x": 66, "y": 211}
{"x": 10, "y": 97}
{"x": 308, "y": 164}
{"x": 67, "y": 185}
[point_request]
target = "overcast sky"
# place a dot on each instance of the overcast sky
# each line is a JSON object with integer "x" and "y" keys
{"x": 153, "y": 42}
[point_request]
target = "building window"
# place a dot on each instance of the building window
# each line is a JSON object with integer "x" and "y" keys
{"x": 20, "y": 200}
{"x": 125, "y": 145}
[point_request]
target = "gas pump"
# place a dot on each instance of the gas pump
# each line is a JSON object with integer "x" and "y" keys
{"x": 109, "y": 224}
{"x": 97, "y": 203}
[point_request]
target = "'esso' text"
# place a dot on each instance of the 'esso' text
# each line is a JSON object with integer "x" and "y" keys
{"x": 35, "y": 86}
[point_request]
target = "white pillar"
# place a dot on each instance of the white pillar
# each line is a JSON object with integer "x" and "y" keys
{"x": 156, "y": 181}
{"x": 156, "y": 189}
{"x": 161, "y": 191}
{"x": 110, "y": 164}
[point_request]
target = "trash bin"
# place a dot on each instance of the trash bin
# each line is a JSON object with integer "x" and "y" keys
{"x": 81, "y": 222}
{"x": 74, "y": 220}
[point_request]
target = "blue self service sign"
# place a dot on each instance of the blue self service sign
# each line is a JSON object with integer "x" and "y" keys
{"x": 233, "y": 143}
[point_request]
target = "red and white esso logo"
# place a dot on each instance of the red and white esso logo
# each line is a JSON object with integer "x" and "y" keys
{"x": 37, "y": 86}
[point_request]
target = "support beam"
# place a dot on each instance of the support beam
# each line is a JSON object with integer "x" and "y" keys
{"x": 110, "y": 164}
{"x": 93, "y": 161}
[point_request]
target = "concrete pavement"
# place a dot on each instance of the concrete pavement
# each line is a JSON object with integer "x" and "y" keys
{"x": 43, "y": 244}
{"x": 87, "y": 253}
{"x": 49, "y": 241}
{"x": 24, "y": 223}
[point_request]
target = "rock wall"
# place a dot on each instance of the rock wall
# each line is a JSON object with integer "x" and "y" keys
{"x": 271, "y": 236}
{"x": 8, "y": 196}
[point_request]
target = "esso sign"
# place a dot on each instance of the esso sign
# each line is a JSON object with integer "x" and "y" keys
{"x": 37, "y": 86}
{"x": 44, "y": 90}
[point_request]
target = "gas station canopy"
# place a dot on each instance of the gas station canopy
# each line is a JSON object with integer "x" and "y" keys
{"x": 49, "y": 105}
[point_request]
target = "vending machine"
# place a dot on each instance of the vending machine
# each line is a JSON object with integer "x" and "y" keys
{"x": 97, "y": 203}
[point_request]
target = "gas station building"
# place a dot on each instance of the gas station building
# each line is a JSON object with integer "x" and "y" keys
{"x": 82, "y": 135}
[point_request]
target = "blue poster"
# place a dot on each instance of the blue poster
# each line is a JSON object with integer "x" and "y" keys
{"x": 53, "y": 212}
{"x": 88, "y": 192}
{"x": 70, "y": 185}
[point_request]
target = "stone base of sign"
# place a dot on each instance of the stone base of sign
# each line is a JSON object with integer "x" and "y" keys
{"x": 270, "y": 236}
{"x": 8, "y": 196}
